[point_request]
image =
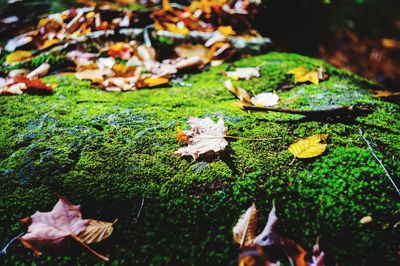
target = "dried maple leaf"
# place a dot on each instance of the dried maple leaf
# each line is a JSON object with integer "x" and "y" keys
{"x": 302, "y": 74}
{"x": 96, "y": 231}
{"x": 244, "y": 73}
{"x": 205, "y": 136}
{"x": 245, "y": 229}
{"x": 309, "y": 147}
{"x": 52, "y": 231}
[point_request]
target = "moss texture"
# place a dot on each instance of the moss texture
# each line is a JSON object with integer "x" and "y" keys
{"x": 108, "y": 150}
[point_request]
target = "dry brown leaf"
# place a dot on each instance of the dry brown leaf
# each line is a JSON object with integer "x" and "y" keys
{"x": 243, "y": 73}
{"x": 94, "y": 75}
{"x": 242, "y": 94}
{"x": 245, "y": 229}
{"x": 309, "y": 147}
{"x": 205, "y": 136}
{"x": 96, "y": 231}
{"x": 302, "y": 74}
{"x": 383, "y": 93}
{"x": 190, "y": 50}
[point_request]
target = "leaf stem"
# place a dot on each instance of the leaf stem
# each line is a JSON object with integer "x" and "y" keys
{"x": 104, "y": 258}
{"x": 243, "y": 138}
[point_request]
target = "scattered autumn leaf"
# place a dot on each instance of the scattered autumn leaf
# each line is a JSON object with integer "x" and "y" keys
{"x": 243, "y": 73}
{"x": 205, "y": 136}
{"x": 384, "y": 93}
{"x": 52, "y": 231}
{"x": 366, "y": 220}
{"x": 302, "y": 74}
{"x": 309, "y": 147}
{"x": 242, "y": 94}
{"x": 245, "y": 229}
{"x": 265, "y": 99}
{"x": 18, "y": 56}
{"x": 155, "y": 81}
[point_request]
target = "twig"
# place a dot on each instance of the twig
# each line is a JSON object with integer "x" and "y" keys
{"x": 140, "y": 210}
{"x": 379, "y": 161}
{"x": 4, "y": 250}
{"x": 336, "y": 111}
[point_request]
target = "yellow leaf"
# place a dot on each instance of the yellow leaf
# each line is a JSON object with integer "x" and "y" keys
{"x": 175, "y": 29}
{"x": 226, "y": 30}
{"x": 153, "y": 82}
{"x": 96, "y": 231}
{"x": 302, "y": 74}
{"x": 309, "y": 147}
{"x": 49, "y": 43}
{"x": 18, "y": 56}
{"x": 166, "y": 5}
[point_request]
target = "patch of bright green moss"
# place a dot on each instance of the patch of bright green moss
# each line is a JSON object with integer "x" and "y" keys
{"x": 108, "y": 150}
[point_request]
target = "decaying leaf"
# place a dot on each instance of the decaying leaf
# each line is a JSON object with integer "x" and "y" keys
{"x": 94, "y": 75}
{"x": 52, "y": 231}
{"x": 40, "y": 71}
{"x": 309, "y": 147}
{"x": 244, "y": 231}
{"x": 190, "y": 50}
{"x": 96, "y": 231}
{"x": 243, "y": 73}
{"x": 302, "y": 74}
{"x": 182, "y": 137}
{"x": 265, "y": 99}
{"x": 385, "y": 93}
{"x": 205, "y": 136}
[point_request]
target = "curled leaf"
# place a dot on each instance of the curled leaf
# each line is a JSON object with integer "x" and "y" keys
{"x": 96, "y": 231}
{"x": 242, "y": 94}
{"x": 309, "y": 147}
{"x": 245, "y": 229}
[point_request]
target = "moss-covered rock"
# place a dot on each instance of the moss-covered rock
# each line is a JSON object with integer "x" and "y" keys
{"x": 110, "y": 150}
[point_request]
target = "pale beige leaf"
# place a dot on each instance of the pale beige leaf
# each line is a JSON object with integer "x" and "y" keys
{"x": 96, "y": 231}
{"x": 265, "y": 99}
{"x": 40, "y": 71}
{"x": 244, "y": 73}
{"x": 366, "y": 220}
{"x": 205, "y": 136}
{"x": 309, "y": 147}
{"x": 245, "y": 229}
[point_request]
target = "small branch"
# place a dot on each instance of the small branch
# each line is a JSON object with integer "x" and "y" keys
{"x": 4, "y": 250}
{"x": 104, "y": 258}
{"x": 243, "y": 138}
{"x": 336, "y": 111}
{"x": 379, "y": 161}
{"x": 140, "y": 210}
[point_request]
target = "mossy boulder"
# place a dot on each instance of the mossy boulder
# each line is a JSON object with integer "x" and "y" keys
{"x": 107, "y": 151}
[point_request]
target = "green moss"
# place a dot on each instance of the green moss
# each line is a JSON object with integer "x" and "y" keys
{"x": 108, "y": 150}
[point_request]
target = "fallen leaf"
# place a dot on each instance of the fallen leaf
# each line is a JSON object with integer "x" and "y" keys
{"x": 245, "y": 229}
{"x": 94, "y": 75}
{"x": 190, "y": 50}
{"x": 265, "y": 99}
{"x": 155, "y": 81}
{"x": 205, "y": 136}
{"x": 18, "y": 56}
{"x": 96, "y": 231}
{"x": 52, "y": 231}
{"x": 243, "y": 73}
{"x": 309, "y": 147}
{"x": 182, "y": 137}
{"x": 242, "y": 94}
{"x": 366, "y": 220}
{"x": 302, "y": 74}
{"x": 40, "y": 71}
{"x": 226, "y": 30}
{"x": 384, "y": 93}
